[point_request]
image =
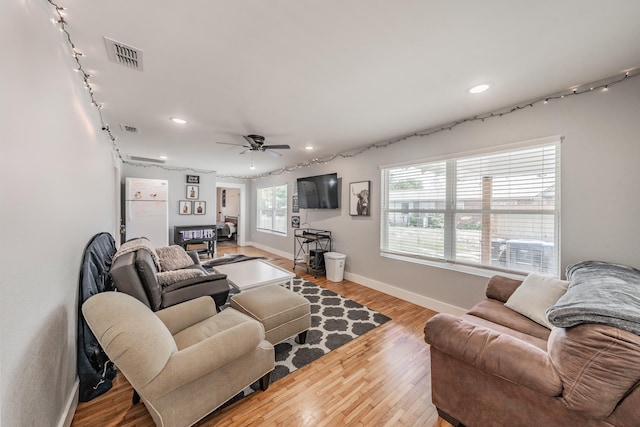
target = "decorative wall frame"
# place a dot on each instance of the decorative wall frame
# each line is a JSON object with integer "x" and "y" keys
{"x": 199, "y": 208}
{"x": 184, "y": 207}
{"x": 193, "y": 191}
{"x": 193, "y": 179}
{"x": 359, "y": 202}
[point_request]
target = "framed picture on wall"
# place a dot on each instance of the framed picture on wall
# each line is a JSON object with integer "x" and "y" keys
{"x": 184, "y": 207}
{"x": 199, "y": 208}
{"x": 359, "y": 198}
{"x": 192, "y": 191}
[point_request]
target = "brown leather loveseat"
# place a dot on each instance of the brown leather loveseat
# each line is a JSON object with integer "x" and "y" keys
{"x": 495, "y": 367}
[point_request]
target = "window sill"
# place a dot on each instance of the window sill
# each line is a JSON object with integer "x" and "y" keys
{"x": 461, "y": 268}
{"x": 275, "y": 233}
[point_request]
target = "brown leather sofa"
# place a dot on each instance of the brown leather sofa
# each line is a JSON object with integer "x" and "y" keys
{"x": 135, "y": 273}
{"x": 495, "y": 367}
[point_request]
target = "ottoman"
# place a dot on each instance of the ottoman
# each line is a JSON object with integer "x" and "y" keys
{"x": 282, "y": 312}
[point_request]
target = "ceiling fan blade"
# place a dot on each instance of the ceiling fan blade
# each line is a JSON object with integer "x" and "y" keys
{"x": 276, "y": 147}
{"x": 231, "y": 143}
{"x": 273, "y": 153}
{"x": 251, "y": 142}
{"x": 244, "y": 151}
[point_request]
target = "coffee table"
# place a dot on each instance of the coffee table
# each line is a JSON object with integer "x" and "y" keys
{"x": 255, "y": 273}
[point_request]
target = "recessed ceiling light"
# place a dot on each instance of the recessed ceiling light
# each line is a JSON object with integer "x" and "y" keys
{"x": 480, "y": 88}
{"x": 309, "y": 147}
{"x": 178, "y": 120}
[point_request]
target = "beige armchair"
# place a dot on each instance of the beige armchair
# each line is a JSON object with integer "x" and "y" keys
{"x": 184, "y": 361}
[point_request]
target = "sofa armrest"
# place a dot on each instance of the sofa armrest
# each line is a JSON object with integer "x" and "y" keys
{"x": 495, "y": 353}
{"x": 180, "y": 316}
{"x": 599, "y": 365}
{"x": 212, "y": 353}
{"x": 500, "y": 288}
{"x": 194, "y": 281}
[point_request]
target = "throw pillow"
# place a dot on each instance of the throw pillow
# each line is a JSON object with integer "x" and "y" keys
{"x": 173, "y": 257}
{"x": 167, "y": 278}
{"x": 535, "y": 295}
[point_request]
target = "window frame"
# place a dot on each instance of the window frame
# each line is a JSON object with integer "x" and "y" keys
{"x": 274, "y": 209}
{"x": 448, "y": 259}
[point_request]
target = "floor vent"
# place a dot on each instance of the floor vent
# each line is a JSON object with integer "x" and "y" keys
{"x": 122, "y": 54}
{"x": 145, "y": 159}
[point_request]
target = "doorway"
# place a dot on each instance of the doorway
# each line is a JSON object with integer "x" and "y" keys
{"x": 231, "y": 203}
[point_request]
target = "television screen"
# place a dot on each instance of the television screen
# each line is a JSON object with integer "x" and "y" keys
{"x": 318, "y": 192}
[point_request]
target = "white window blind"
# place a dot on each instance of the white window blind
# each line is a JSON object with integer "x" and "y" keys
{"x": 498, "y": 210}
{"x": 272, "y": 209}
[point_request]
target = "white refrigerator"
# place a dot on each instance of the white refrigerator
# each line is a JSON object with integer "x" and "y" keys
{"x": 147, "y": 210}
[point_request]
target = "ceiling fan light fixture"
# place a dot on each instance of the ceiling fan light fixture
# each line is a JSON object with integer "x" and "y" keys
{"x": 178, "y": 120}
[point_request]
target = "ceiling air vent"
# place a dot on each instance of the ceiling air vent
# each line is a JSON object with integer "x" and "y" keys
{"x": 129, "y": 128}
{"x": 122, "y": 54}
{"x": 145, "y": 159}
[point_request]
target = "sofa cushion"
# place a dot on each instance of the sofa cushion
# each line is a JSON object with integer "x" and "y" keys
{"x": 539, "y": 342}
{"x": 535, "y": 295}
{"x": 501, "y": 288}
{"x": 495, "y": 311}
{"x": 173, "y": 257}
{"x": 166, "y": 278}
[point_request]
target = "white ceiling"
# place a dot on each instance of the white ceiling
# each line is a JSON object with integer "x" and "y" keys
{"x": 335, "y": 74}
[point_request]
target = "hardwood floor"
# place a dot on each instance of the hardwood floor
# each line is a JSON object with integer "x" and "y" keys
{"x": 379, "y": 379}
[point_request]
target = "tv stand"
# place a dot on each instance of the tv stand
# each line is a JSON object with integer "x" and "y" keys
{"x": 309, "y": 247}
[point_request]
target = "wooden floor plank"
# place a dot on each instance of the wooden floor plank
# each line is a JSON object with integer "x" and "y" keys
{"x": 380, "y": 379}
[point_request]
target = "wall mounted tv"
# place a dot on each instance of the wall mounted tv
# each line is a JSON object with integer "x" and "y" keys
{"x": 318, "y": 192}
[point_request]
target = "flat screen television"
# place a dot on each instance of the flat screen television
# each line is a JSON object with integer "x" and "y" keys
{"x": 318, "y": 192}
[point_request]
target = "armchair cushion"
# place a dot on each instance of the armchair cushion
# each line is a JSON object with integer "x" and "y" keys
{"x": 173, "y": 257}
{"x": 166, "y": 278}
{"x": 180, "y": 316}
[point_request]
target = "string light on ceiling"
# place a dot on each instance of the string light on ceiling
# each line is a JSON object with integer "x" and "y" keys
{"x": 60, "y": 20}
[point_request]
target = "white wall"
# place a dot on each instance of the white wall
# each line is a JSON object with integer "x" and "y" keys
{"x": 600, "y": 203}
{"x": 57, "y": 180}
{"x": 178, "y": 191}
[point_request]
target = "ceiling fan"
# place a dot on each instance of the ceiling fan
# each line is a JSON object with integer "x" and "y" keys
{"x": 256, "y": 143}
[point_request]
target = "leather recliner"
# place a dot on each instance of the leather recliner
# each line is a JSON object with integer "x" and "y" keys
{"x": 135, "y": 273}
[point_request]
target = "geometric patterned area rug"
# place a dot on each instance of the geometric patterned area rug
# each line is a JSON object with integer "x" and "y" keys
{"x": 335, "y": 320}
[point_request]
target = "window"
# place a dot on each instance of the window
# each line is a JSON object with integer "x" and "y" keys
{"x": 497, "y": 210}
{"x": 272, "y": 209}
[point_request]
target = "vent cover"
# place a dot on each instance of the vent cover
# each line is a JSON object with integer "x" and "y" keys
{"x": 129, "y": 128}
{"x": 145, "y": 159}
{"x": 122, "y": 54}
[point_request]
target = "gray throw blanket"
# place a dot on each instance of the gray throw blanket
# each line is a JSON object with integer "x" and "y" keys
{"x": 599, "y": 292}
{"x": 138, "y": 243}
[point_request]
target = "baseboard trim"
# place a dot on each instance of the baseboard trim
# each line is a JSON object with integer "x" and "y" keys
{"x": 282, "y": 254}
{"x": 71, "y": 405}
{"x": 403, "y": 294}
{"x": 421, "y": 300}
